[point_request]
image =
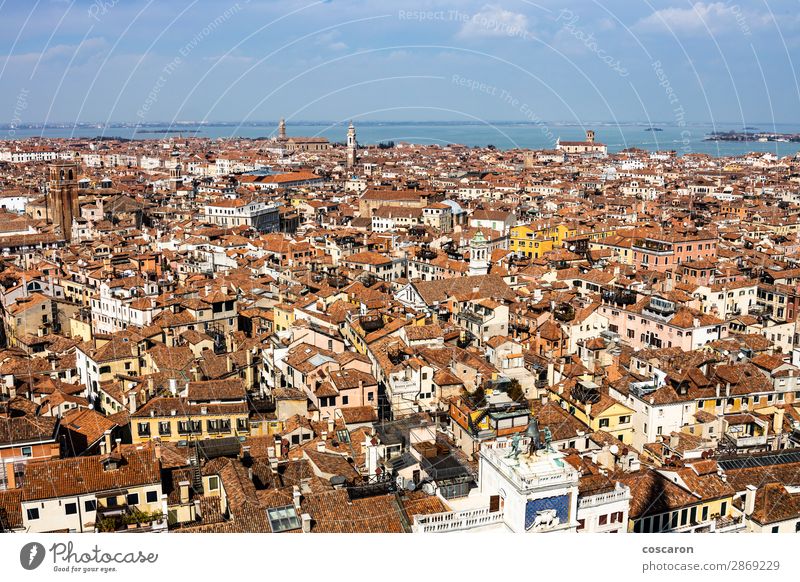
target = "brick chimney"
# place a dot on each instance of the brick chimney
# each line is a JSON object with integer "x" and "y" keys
{"x": 777, "y": 421}
{"x": 183, "y": 486}
{"x": 750, "y": 499}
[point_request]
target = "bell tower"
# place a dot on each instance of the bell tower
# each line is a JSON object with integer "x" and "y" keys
{"x": 282, "y": 129}
{"x": 478, "y": 255}
{"x": 352, "y": 146}
{"x": 62, "y": 196}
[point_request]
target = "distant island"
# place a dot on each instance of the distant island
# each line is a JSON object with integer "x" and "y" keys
{"x": 752, "y": 136}
{"x": 184, "y": 130}
{"x": 653, "y": 129}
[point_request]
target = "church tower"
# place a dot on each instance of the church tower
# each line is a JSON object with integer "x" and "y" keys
{"x": 282, "y": 129}
{"x": 352, "y": 146}
{"x": 590, "y": 136}
{"x": 478, "y": 255}
{"x": 62, "y": 196}
{"x": 176, "y": 177}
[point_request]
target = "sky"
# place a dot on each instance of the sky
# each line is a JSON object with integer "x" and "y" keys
{"x": 658, "y": 61}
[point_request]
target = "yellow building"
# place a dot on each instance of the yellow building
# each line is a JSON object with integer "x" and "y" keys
{"x": 175, "y": 419}
{"x": 284, "y": 316}
{"x": 525, "y": 240}
{"x": 692, "y": 498}
{"x": 583, "y": 400}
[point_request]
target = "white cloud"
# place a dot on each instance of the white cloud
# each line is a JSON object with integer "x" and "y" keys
{"x": 701, "y": 17}
{"x": 330, "y": 40}
{"x": 230, "y": 59}
{"x": 494, "y": 21}
{"x": 88, "y": 48}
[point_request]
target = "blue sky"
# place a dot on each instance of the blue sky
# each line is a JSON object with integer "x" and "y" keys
{"x": 603, "y": 60}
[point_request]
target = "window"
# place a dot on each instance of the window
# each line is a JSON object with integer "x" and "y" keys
{"x": 213, "y": 483}
{"x": 775, "y": 529}
{"x": 603, "y": 519}
{"x": 283, "y": 518}
{"x": 370, "y": 396}
{"x": 27, "y": 451}
{"x": 33, "y": 513}
{"x": 164, "y": 428}
{"x": 90, "y": 505}
{"x": 144, "y": 429}
{"x": 582, "y": 524}
{"x": 603, "y": 423}
{"x": 71, "y": 508}
{"x": 152, "y": 496}
{"x": 345, "y": 400}
{"x": 133, "y": 499}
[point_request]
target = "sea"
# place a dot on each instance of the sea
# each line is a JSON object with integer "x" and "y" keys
{"x": 684, "y": 139}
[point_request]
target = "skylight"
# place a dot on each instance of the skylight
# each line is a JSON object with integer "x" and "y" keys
{"x": 283, "y": 518}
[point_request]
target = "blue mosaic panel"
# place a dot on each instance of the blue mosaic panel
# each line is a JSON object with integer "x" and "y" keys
{"x": 546, "y": 506}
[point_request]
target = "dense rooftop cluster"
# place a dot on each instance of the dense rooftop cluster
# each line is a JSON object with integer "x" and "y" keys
{"x": 292, "y": 335}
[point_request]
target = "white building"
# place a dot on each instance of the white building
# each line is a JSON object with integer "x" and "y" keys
{"x": 534, "y": 493}
{"x": 114, "y": 309}
{"x": 262, "y": 216}
{"x": 605, "y": 510}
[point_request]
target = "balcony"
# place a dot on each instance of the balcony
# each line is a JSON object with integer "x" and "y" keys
{"x": 718, "y": 524}
{"x": 747, "y": 441}
{"x": 652, "y": 247}
{"x": 529, "y": 472}
{"x": 456, "y": 520}
{"x": 615, "y": 496}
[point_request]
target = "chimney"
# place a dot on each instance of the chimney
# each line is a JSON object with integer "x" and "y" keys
{"x": 306, "y": 519}
{"x": 544, "y": 399}
{"x": 777, "y": 421}
{"x": 296, "y": 496}
{"x": 157, "y": 449}
{"x": 371, "y": 455}
{"x": 588, "y": 409}
{"x": 331, "y": 423}
{"x": 717, "y": 389}
{"x": 173, "y": 386}
{"x": 321, "y": 446}
{"x": 727, "y": 389}
{"x": 750, "y": 499}
{"x": 107, "y": 442}
{"x": 131, "y": 402}
{"x": 278, "y": 446}
{"x": 183, "y": 486}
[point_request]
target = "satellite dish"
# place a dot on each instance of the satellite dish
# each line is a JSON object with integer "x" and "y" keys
{"x": 429, "y": 489}
{"x": 613, "y": 449}
{"x": 410, "y": 485}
